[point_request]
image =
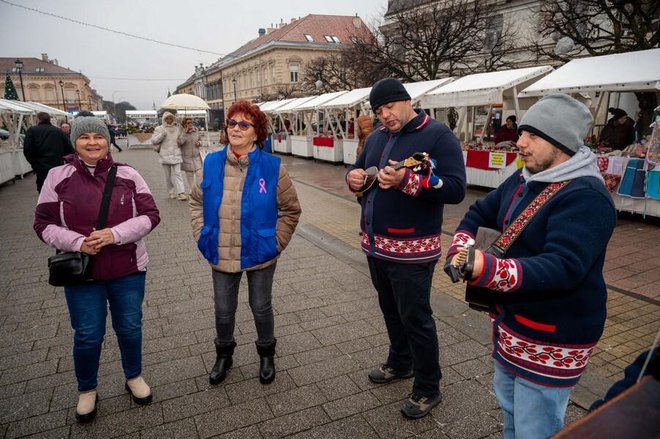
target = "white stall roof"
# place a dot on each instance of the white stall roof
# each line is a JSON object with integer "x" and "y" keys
{"x": 482, "y": 88}
{"x": 46, "y": 109}
{"x": 317, "y": 101}
{"x": 630, "y": 71}
{"x": 418, "y": 89}
{"x": 349, "y": 99}
{"x": 269, "y": 106}
{"x": 100, "y": 114}
{"x": 11, "y": 106}
{"x": 142, "y": 114}
{"x": 190, "y": 113}
{"x": 290, "y": 106}
{"x": 30, "y": 107}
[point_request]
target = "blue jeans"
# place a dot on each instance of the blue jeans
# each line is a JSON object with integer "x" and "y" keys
{"x": 531, "y": 411}
{"x": 404, "y": 292}
{"x": 260, "y": 294}
{"x": 88, "y": 309}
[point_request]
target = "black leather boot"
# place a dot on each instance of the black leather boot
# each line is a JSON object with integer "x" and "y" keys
{"x": 223, "y": 362}
{"x": 267, "y": 362}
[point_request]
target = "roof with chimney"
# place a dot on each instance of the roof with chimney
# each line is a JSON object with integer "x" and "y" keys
{"x": 35, "y": 66}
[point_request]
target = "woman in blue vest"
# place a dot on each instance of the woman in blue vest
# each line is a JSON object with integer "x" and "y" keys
{"x": 244, "y": 213}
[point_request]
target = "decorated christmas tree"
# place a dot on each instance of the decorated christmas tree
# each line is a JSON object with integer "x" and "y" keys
{"x": 10, "y": 90}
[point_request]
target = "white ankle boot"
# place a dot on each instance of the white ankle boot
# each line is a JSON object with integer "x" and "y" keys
{"x": 140, "y": 390}
{"x": 86, "y": 408}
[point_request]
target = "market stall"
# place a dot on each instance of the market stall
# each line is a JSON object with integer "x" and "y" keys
{"x": 485, "y": 94}
{"x": 599, "y": 81}
{"x": 348, "y": 105}
{"x": 322, "y": 142}
{"x": 139, "y": 127}
{"x": 289, "y": 121}
{"x": 18, "y": 116}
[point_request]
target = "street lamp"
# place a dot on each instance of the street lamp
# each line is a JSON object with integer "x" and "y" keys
{"x": 113, "y": 101}
{"x": 233, "y": 81}
{"x": 19, "y": 66}
{"x": 63, "y": 99}
{"x": 318, "y": 82}
{"x": 79, "y": 104}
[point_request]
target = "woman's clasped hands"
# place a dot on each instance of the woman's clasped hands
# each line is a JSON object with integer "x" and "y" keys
{"x": 96, "y": 240}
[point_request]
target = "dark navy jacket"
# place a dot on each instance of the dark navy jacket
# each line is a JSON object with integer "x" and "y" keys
{"x": 404, "y": 224}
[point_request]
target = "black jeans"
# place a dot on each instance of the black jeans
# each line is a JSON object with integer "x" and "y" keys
{"x": 404, "y": 292}
{"x": 260, "y": 293}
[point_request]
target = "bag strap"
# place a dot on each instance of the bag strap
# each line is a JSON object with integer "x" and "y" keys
{"x": 107, "y": 193}
{"x": 502, "y": 244}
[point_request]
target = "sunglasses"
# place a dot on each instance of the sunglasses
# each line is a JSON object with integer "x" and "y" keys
{"x": 243, "y": 125}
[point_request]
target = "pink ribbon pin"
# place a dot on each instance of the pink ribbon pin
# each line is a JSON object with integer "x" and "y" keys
{"x": 262, "y": 186}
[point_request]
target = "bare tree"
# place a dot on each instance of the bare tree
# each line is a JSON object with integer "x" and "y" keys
{"x": 331, "y": 73}
{"x": 570, "y": 28}
{"x": 435, "y": 40}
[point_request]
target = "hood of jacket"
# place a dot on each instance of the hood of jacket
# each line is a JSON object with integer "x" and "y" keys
{"x": 165, "y": 115}
{"x": 582, "y": 164}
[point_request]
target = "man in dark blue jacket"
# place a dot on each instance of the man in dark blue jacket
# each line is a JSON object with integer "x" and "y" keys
{"x": 548, "y": 288}
{"x": 44, "y": 147}
{"x": 401, "y": 226}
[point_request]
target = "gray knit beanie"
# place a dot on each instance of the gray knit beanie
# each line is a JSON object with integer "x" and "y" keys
{"x": 559, "y": 119}
{"x": 88, "y": 124}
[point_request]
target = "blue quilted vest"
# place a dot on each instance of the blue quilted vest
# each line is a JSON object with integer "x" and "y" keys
{"x": 258, "y": 207}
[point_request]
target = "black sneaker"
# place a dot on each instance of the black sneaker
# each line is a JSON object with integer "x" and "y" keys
{"x": 386, "y": 374}
{"x": 419, "y": 406}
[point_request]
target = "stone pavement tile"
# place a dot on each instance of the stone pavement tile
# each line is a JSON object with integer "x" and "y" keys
{"x": 336, "y": 388}
{"x": 182, "y": 429}
{"x": 478, "y": 425}
{"x": 350, "y": 405}
{"x": 11, "y": 390}
{"x": 25, "y": 406}
{"x": 296, "y": 399}
{"x": 353, "y": 427}
{"x": 344, "y": 332}
{"x": 323, "y": 322}
{"x": 396, "y": 391}
{"x": 232, "y": 418}
{"x": 249, "y": 389}
{"x": 194, "y": 404}
{"x": 474, "y": 367}
{"x": 317, "y": 355}
{"x": 315, "y": 372}
{"x": 23, "y": 359}
{"x": 463, "y": 351}
{"x": 293, "y": 423}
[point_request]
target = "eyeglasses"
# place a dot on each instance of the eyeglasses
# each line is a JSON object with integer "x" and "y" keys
{"x": 243, "y": 125}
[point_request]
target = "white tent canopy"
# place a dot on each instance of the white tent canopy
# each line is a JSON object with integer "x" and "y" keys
{"x": 482, "y": 88}
{"x": 273, "y": 105}
{"x": 418, "y": 89}
{"x": 630, "y": 71}
{"x": 30, "y": 108}
{"x": 290, "y": 106}
{"x": 349, "y": 99}
{"x": 317, "y": 101}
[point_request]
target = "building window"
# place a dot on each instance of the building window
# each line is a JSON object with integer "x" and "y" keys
{"x": 336, "y": 39}
{"x": 328, "y": 38}
{"x": 309, "y": 38}
{"x": 494, "y": 28}
{"x": 293, "y": 71}
{"x": 332, "y": 39}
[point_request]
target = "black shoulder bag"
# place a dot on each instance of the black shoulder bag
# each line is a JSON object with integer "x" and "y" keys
{"x": 70, "y": 268}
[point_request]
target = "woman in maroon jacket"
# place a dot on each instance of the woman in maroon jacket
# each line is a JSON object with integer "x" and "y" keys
{"x": 65, "y": 218}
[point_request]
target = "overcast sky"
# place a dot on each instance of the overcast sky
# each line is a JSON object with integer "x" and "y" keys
{"x": 139, "y": 71}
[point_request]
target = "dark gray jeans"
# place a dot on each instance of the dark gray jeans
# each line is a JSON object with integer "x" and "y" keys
{"x": 260, "y": 293}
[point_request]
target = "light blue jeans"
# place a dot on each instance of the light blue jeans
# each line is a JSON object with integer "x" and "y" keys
{"x": 88, "y": 308}
{"x": 531, "y": 411}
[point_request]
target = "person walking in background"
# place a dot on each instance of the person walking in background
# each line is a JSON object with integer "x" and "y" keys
{"x": 401, "y": 225}
{"x": 44, "y": 147}
{"x": 165, "y": 143}
{"x": 189, "y": 141}
{"x": 547, "y": 289}
{"x": 509, "y": 132}
{"x": 66, "y": 129}
{"x": 243, "y": 216}
{"x": 113, "y": 137}
{"x": 65, "y": 218}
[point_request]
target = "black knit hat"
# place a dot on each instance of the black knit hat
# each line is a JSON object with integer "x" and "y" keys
{"x": 387, "y": 90}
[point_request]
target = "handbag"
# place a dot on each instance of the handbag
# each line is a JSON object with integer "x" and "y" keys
{"x": 70, "y": 268}
{"x": 480, "y": 298}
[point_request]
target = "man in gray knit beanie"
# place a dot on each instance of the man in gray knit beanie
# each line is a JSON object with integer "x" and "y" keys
{"x": 545, "y": 290}
{"x": 82, "y": 125}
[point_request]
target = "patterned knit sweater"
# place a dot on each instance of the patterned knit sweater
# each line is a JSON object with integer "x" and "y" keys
{"x": 553, "y": 274}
